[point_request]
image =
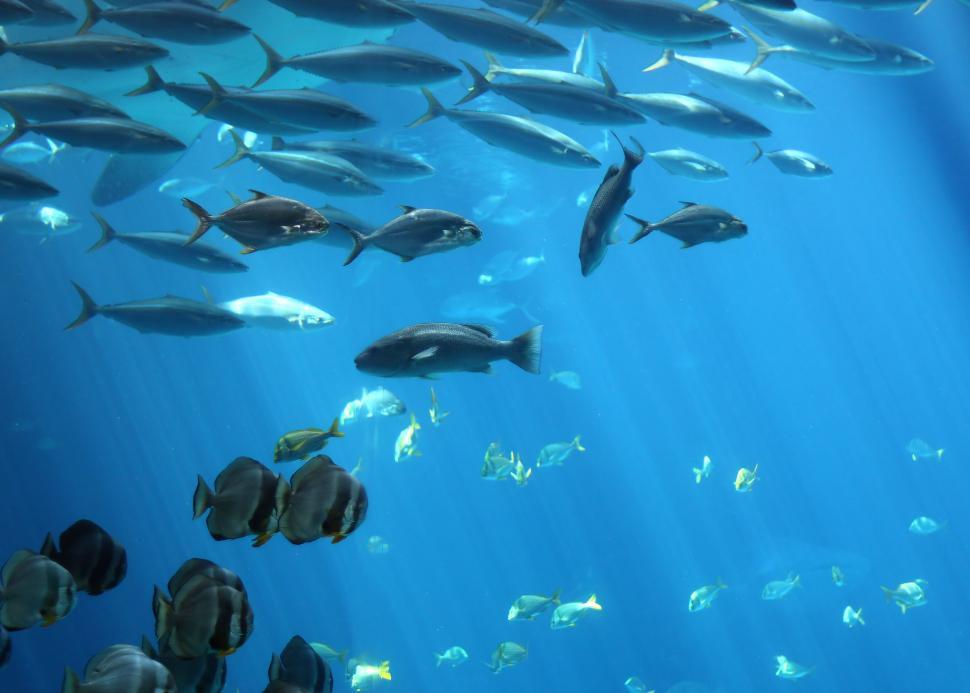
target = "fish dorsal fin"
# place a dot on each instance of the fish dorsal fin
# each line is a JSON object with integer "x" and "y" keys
{"x": 15, "y": 560}
{"x": 608, "y": 82}
{"x": 310, "y": 468}
{"x": 258, "y": 195}
{"x": 425, "y": 354}
{"x": 484, "y": 329}
{"x": 688, "y": 204}
{"x": 238, "y": 466}
{"x": 407, "y": 209}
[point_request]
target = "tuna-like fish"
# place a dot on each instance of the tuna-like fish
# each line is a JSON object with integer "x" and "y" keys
{"x": 47, "y": 13}
{"x": 47, "y": 102}
{"x": 683, "y": 162}
{"x": 167, "y": 315}
{"x": 173, "y": 20}
{"x": 418, "y": 232}
{"x": 496, "y": 69}
{"x": 19, "y": 185}
{"x": 808, "y": 32}
{"x": 426, "y": 349}
{"x": 88, "y": 52}
{"x": 275, "y": 312}
{"x": 170, "y": 247}
{"x": 121, "y": 135}
{"x": 32, "y": 153}
{"x": 794, "y": 162}
{"x": 14, "y": 11}
{"x": 693, "y": 224}
{"x": 120, "y": 668}
{"x": 605, "y": 209}
{"x": 371, "y": 404}
{"x": 300, "y": 666}
{"x": 266, "y": 221}
{"x": 515, "y": 134}
{"x": 322, "y": 172}
{"x": 367, "y": 62}
{"x": 326, "y": 501}
{"x": 35, "y": 590}
{"x": 378, "y": 162}
{"x": 95, "y": 560}
{"x": 380, "y": 14}
{"x": 248, "y": 501}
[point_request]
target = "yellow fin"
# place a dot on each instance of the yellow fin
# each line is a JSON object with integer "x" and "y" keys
{"x": 384, "y": 671}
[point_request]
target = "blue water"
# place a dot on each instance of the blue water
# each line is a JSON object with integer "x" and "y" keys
{"x": 816, "y": 347}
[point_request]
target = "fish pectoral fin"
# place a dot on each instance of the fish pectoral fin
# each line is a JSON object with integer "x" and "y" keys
{"x": 487, "y": 369}
{"x": 247, "y": 251}
{"x": 425, "y": 354}
{"x": 406, "y": 259}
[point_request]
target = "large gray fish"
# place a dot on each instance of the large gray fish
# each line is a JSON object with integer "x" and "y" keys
{"x": 561, "y": 16}
{"x": 167, "y": 315}
{"x": 300, "y": 665}
{"x": 46, "y": 102}
{"x": 266, "y": 221}
{"x": 683, "y": 162}
{"x": 378, "y": 162}
{"x": 497, "y": 69}
{"x": 565, "y": 101}
{"x": 14, "y": 11}
{"x": 198, "y": 97}
{"x": 6, "y": 647}
{"x": 35, "y": 590}
{"x": 325, "y": 501}
{"x": 317, "y": 171}
{"x": 423, "y": 350}
{"x": 47, "y": 13}
{"x": 368, "y": 62}
{"x": 694, "y": 224}
{"x": 486, "y": 29}
{"x": 121, "y": 135}
{"x": 206, "y": 674}
{"x": 358, "y": 13}
{"x": 604, "y": 211}
{"x": 794, "y": 162}
{"x": 120, "y": 668}
{"x": 179, "y": 22}
{"x": 416, "y": 233}
{"x": 88, "y": 52}
{"x": 808, "y": 32}
{"x": 302, "y": 108}
{"x": 248, "y": 501}
{"x": 94, "y": 559}
{"x": 656, "y": 21}
{"x": 16, "y": 184}
{"x": 514, "y": 133}
{"x": 207, "y": 612}
{"x": 170, "y": 247}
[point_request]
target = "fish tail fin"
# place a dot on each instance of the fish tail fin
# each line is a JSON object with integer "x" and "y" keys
{"x": 164, "y": 614}
{"x": 556, "y": 597}
{"x": 887, "y": 592}
{"x": 242, "y": 151}
{"x": 226, "y": 5}
{"x": 495, "y": 67}
{"x": 591, "y": 603}
{"x": 797, "y": 581}
{"x": 709, "y": 5}
{"x": 921, "y": 8}
{"x": 108, "y": 234}
{"x": 698, "y": 475}
{"x": 480, "y": 84}
{"x": 218, "y": 94}
{"x": 631, "y": 158}
{"x": 435, "y": 109}
{"x": 54, "y": 149}
{"x": 153, "y": 83}
{"x": 205, "y": 220}
{"x": 719, "y": 583}
{"x": 645, "y": 227}
{"x": 663, "y": 61}
{"x": 20, "y": 125}
{"x": 360, "y": 242}
{"x": 765, "y": 50}
{"x": 939, "y": 454}
{"x": 94, "y": 14}
{"x": 527, "y": 350}
{"x": 72, "y": 684}
{"x": 278, "y": 144}
{"x": 858, "y": 616}
{"x": 274, "y": 62}
{"x": 438, "y": 659}
{"x": 758, "y": 153}
{"x": 88, "y": 308}
{"x": 335, "y": 431}
{"x": 547, "y": 8}
{"x": 201, "y": 499}
{"x": 579, "y": 446}
{"x": 384, "y": 670}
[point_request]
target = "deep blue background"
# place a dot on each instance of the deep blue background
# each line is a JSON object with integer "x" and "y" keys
{"x": 815, "y": 347}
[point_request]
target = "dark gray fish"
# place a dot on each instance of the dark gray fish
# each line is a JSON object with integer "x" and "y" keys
{"x": 358, "y": 13}
{"x": 120, "y": 669}
{"x": 35, "y": 590}
{"x": 302, "y": 108}
{"x": 208, "y": 611}
{"x": 167, "y": 315}
{"x": 94, "y": 559}
{"x": 179, "y": 22}
{"x": 170, "y": 247}
{"x": 418, "y": 232}
{"x": 198, "y": 96}
{"x": 126, "y": 174}
{"x": 20, "y": 185}
{"x": 6, "y": 647}
{"x": 46, "y": 102}
{"x": 264, "y": 222}
{"x": 322, "y": 172}
{"x": 561, "y": 16}
{"x": 121, "y": 135}
{"x": 14, "y": 11}
{"x": 486, "y": 29}
{"x": 368, "y": 62}
{"x": 300, "y": 665}
{"x": 605, "y": 209}
{"x": 566, "y": 101}
{"x": 325, "y": 501}
{"x": 375, "y": 161}
{"x": 697, "y": 114}
{"x": 423, "y": 350}
{"x": 48, "y": 13}
{"x": 515, "y": 134}
{"x": 88, "y": 52}
{"x": 248, "y": 501}
{"x": 694, "y": 224}
{"x": 205, "y": 674}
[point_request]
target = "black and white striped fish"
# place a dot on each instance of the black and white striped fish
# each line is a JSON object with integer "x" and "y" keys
{"x": 35, "y": 590}
{"x": 120, "y": 668}
{"x": 325, "y": 501}
{"x": 301, "y": 666}
{"x": 95, "y": 560}
{"x": 248, "y": 500}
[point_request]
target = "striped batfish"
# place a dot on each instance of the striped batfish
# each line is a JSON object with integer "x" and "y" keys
{"x": 325, "y": 501}
{"x": 95, "y": 560}
{"x": 248, "y": 500}
{"x": 206, "y": 674}
{"x": 300, "y": 665}
{"x": 120, "y": 668}
{"x": 35, "y": 590}
{"x": 207, "y": 611}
